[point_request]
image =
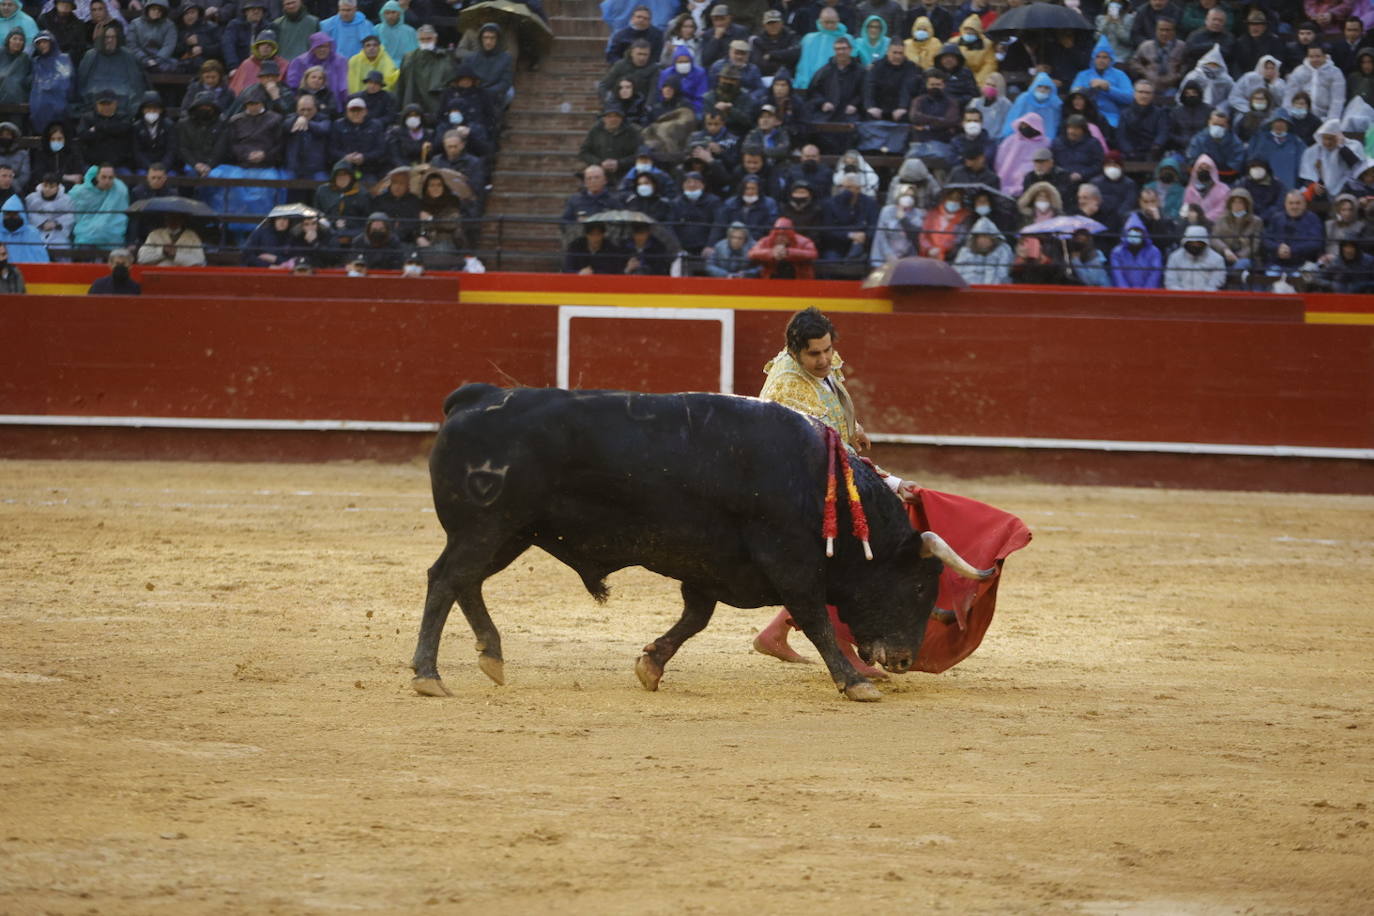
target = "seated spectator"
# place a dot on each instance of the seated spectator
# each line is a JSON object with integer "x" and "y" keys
{"x": 934, "y": 117}
{"x": 454, "y": 155}
{"x": 371, "y": 59}
{"x": 307, "y": 140}
{"x": 1218, "y": 143}
{"x": 835, "y": 91}
{"x": 1261, "y": 105}
{"x": 647, "y": 198}
{"x": 1036, "y": 261}
{"x": 890, "y": 85}
{"x": 1195, "y": 265}
{"x": 1214, "y": 34}
{"x": 986, "y": 258}
{"x": 315, "y": 244}
{"x": 1205, "y": 189}
{"x": 153, "y": 185}
{"x": 1115, "y": 24}
{"x": 100, "y": 202}
{"x": 737, "y": 56}
{"x": 1188, "y": 118}
{"x": 152, "y": 38}
{"x": 202, "y": 136}
{"x": 321, "y": 54}
{"x": 1045, "y": 169}
{"x": 593, "y": 253}
{"x": 24, "y": 242}
{"x": 849, "y": 217}
{"x": 313, "y": 84}
{"x": 944, "y": 227}
{"x": 1345, "y": 223}
{"x": 16, "y": 70}
{"x": 105, "y": 135}
{"x": 1360, "y": 184}
{"x": 1136, "y": 263}
{"x": 1118, "y": 192}
{"x": 342, "y": 202}
{"x": 237, "y": 38}
{"x": 1294, "y": 235}
{"x": 730, "y": 256}
{"x": 465, "y": 104}
{"x": 494, "y": 67}
{"x": 359, "y": 140}
{"x": 278, "y": 97}
{"x": 54, "y": 153}
{"x": 1040, "y": 99}
{"x": 1110, "y": 87}
{"x": 398, "y": 37}
{"x": 1324, "y": 85}
{"x": 775, "y": 47}
{"x": 639, "y": 28}
{"x": 263, "y": 51}
{"x": 1159, "y": 61}
{"x": 399, "y": 204}
{"x": 50, "y": 212}
{"x": 378, "y": 244}
{"x": 972, "y": 139}
{"x": 1302, "y": 123}
{"x": 1077, "y": 153}
{"x": 1019, "y": 150}
{"x": 11, "y": 279}
{"x": 1212, "y": 79}
{"x": 784, "y": 254}
{"x": 727, "y": 100}
{"x": 1143, "y": 129}
{"x": 1257, "y": 42}
{"x": 1265, "y": 75}
{"x": 752, "y": 163}
{"x": 640, "y": 67}
{"x": 646, "y": 164}
{"x": 721, "y": 30}
{"x": 442, "y": 239}
{"x": 960, "y": 83}
{"x": 424, "y": 72}
{"x": 67, "y": 29}
{"x": 198, "y": 39}
{"x": 974, "y": 170}
{"x": 348, "y": 29}
{"x": 1086, "y": 261}
{"x": 691, "y": 78}
{"x": 1351, "y": 271}
{"x": 1330, "y": 161}
{"x": 52, "y": 88}
{"x": 897, "y": 232}
{"x": 693, "y": 215}
{"x": 1158, "y": 221}
{"x": 1236, "y": 235}
{"x": 1276, "y": 149}
{"x": 720, "y": 142}
{"x": 117, "y": 282}
{"x": 1360, "y": 82}
{"x": 1089, "y": 203}
{"x": 611, "y": 143}
{"x": 1040, "y": 201}
{"x": 749, "y": 206}
{"x": 210, "y": 78}
{"x": 254, "y": 135}
{"x": 408, "y": 141}
{"x": 154, "y": 139}
{"x": 624, "y": 98}
{"x": 268, "y": 245}
{"x": 681, "y": 30}
{"x": 172, "y": 245}
{"x": 770, "y": 137}
{"x": 646, "y": 255}
{"x": 592, "y": 198}
{"x": 924, "y": 43}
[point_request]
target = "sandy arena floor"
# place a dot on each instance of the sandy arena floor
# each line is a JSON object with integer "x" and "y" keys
{"x": 203, "y": 709}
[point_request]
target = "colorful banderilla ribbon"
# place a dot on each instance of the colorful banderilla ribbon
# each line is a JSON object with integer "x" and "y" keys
{"x": 836, "y": 452}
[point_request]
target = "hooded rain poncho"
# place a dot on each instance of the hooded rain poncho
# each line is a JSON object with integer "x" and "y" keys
{"x": 869, "y": 51}
{"x": 1047, "y": 111}
{"x": 1119, "y": 92}
{"x": 1014, "y": 154}
{"x": 1138, "y": 268}
{"x": 25, "y": 243}
{"x": 816, "y": 50}
{"x": 100, "y": 221}
{"x": 397, "y": 40}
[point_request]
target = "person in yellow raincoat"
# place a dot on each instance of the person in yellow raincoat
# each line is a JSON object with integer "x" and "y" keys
{"x": 923, "y": 46}
{"x": 980, "y": 53}
{"x": 372, "y": 57}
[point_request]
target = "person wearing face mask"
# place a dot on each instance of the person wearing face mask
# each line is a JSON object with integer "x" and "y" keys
{"x": 464, "y": 104}
{"x": 1195, "y": 266}
{"x": 1136, "y": 263}
{"x": 693, "y": 215}
{"x": 424, "y": 72}
{"x": 1265, "y": 75}
{"x": 977, "y": 49}
{"x": 644, "y": 197}
{"x": 24, "y": 241}
{"x": 750, "y": 206}
{"x": 645, "y": 163}
{"x": 378, "y": 244}
{"x": 1040, "y": 99}
{"x": 1236, "y": 235}
{"x": 56, "y": 153}
{"x": 118, "y": 282}
{"x": 944, "y": 227}
{"x": 810, "y": 170}
{"x": 1265, "y": 190}
{"x": 692, "y": 80}
{"x": 1045, "y": 169}
{"x": 1188, "y": 117}
{"x": 1205, "y": 188}
{"x": 50, "y": 212}
{"x": 1345, "y": 224}
{"x": 1118, "y": 192}
{"x": 1324, "y": 85}
{"x": 154, "y": 141}
{"x": 1212, "y": 79}
{"x": 1040, "y": 201}
{"x": 986, "y": 258}
{"x": 1218, "y": 143}
{"x": 408, "y": 141}
{"x": 898, "y": 231}
{"x": 971, "y": 138}
{"x": 923, "y": 45}
{"x": 992, "y": 105}
{"x": 1252, "y": 121}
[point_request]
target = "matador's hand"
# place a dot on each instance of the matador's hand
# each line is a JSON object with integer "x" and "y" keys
{"x": 861, "y": 441}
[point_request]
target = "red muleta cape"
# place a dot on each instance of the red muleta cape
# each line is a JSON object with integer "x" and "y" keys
{"x": 984, "y": 536}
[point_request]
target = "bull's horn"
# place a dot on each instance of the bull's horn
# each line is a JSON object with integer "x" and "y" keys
{"x": 932, "y": 545}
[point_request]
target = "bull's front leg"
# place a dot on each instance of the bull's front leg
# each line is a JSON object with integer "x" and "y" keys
{"x": 814, "y": 620}
{"x": 697, "y": 609}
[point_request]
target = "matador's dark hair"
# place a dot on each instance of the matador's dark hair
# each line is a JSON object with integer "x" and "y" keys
{"x": 808, "y": 324}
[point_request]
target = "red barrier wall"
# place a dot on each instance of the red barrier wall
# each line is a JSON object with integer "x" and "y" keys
{"x": 1049, "y": 364}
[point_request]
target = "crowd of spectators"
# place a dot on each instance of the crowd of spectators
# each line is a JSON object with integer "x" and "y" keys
{"x": 1183, "y": 144}
{"x": 379, "y": 119}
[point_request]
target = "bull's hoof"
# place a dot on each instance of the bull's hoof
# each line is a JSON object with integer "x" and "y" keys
{"x": 493, "y": 668}
{"x": 649, "y": 671}
{"x": 430, "y": 687}
{"x": 863, "y": 692}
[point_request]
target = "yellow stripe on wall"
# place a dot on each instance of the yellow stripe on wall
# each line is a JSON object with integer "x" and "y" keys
{"x": 1340, "y": 317}
{"x": 58, "y": 289}
{"x": 764, "y": 303}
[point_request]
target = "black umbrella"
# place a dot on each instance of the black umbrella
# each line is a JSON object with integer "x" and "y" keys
{"x": 1039, "y": 17}
{"x": 186, "y": 206}
{"x": 974, "y": 188}
{"x": 916, "y": 272}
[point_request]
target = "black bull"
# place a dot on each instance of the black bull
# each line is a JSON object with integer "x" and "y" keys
{"x": 725, "y": 494}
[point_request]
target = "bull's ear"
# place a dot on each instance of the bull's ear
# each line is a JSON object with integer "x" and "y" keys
{"x": 932, "y": 545}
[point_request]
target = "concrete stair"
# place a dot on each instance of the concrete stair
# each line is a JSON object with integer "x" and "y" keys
{"x": 537, "y": 167}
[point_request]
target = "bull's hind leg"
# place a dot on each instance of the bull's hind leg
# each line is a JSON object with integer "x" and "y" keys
{"x": 451, "y": 579}
{"x": 696, "y": 613}
{"x": 814, "y": 621}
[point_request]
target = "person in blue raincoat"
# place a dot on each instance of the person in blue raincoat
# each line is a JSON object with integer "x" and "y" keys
{"x": 691, "y": 78}
{"x": 819, "y": 46}
{"x": 1136, "y": 263}
{"x": 52, "y": 82}
{"x": 1039, "y": 98}
{"x": 1110, "y": 87}
{"x": 100, "y": 201}
{"x": 872, "y": 40}
{"x": 25, "y": 241}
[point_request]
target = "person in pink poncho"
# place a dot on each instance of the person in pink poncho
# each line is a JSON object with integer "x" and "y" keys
{"x": 807, "y": 377}
{"x": 1016, "y": 152}
{"x": 1205, "y": 188}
